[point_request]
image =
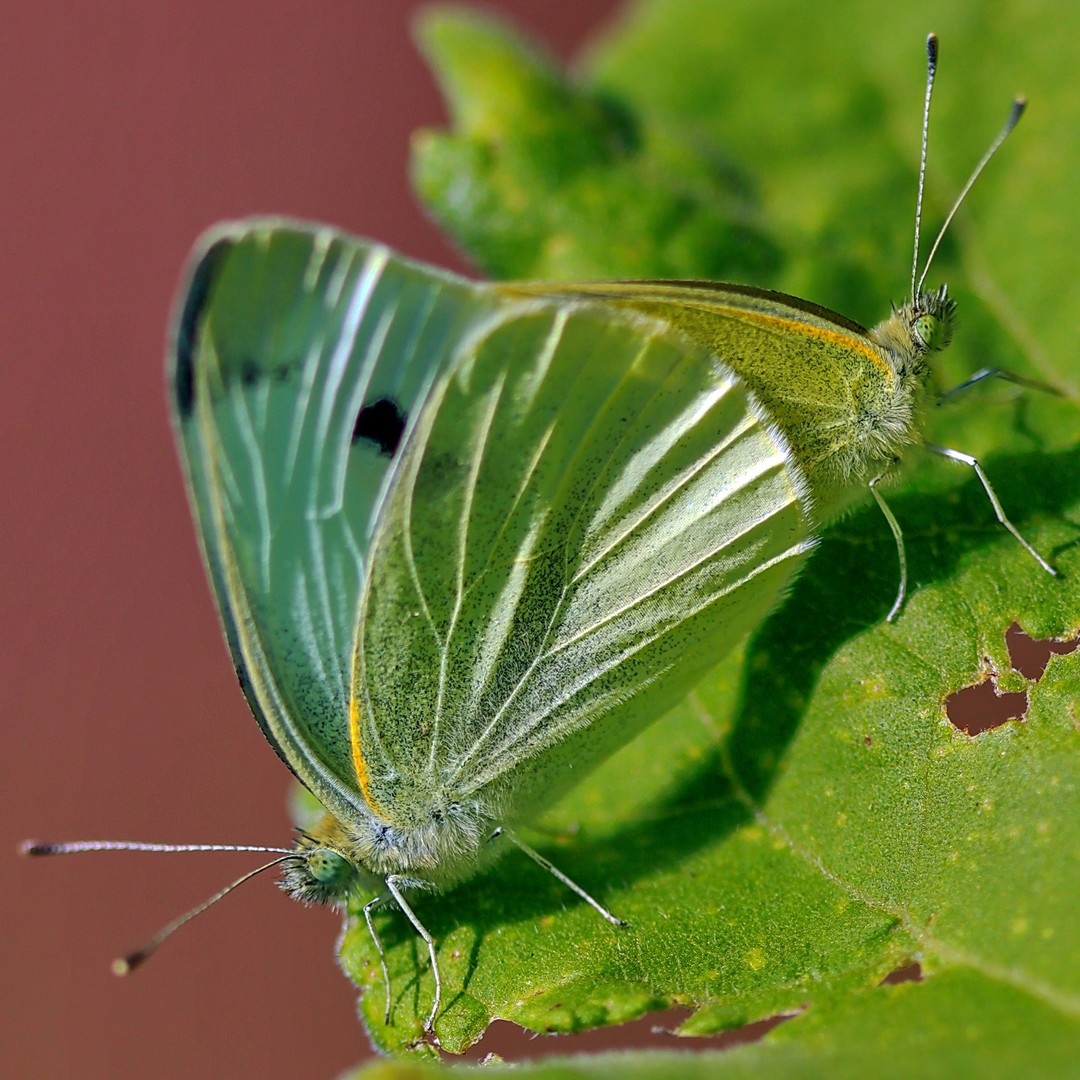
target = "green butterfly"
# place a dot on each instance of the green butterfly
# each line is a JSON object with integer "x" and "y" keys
{"x": 467, "y": 539}
{"x": 464, "y": 542}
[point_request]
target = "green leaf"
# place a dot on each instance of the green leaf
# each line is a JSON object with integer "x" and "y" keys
{"x": 544, "y": 177}
{"x": 809, "y": 820}
{"x": 961, "y": 1023}
{"x": 842, "y": 829}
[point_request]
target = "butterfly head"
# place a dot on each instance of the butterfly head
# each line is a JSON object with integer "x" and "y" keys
{"x": 916, "y": 329}
{"x": 318, "y": 872}
{"x": 930, "y": 320}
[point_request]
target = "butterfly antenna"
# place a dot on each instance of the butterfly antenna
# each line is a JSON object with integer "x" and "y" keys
{"x": 931, "y": 71}
{"x": 1017, "y": 110}
{"x": 75, "y": 847}
{"x": 139, "y": 956}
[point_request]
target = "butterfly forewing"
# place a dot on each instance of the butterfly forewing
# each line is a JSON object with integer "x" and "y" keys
{"x": 301, "y": 361}
{"x": 590, "y": 512}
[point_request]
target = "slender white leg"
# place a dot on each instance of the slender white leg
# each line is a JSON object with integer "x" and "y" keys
{"x": 967, "y": 459}
{"x": 997, "y": 373}
{"x": 392, "y": 883}
{"x": 898, "y": 536}
{"x": 368, "y": 908}
{"x": 557, "y": 873}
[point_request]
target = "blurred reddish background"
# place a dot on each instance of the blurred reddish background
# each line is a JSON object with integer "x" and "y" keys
{"x": 127, "y": 128}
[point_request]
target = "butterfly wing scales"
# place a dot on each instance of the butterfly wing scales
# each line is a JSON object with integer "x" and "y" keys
{"x": 591, "y": 514}
{"x": 562, "y": 510}
{"x": 300, "y": 361}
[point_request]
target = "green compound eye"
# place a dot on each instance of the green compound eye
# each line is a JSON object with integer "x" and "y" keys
{"x": 328, "y": 867}
{"x": 930, "y": 331}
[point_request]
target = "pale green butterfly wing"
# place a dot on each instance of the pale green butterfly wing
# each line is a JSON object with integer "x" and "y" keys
{"x": 300, "y": 361}
{"x": 549, "y": 509}
{"x": 590, "y": 512}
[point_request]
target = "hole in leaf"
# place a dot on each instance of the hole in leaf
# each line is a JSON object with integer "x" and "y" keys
{"x": 1030, "y": 655}
{"x": 908, "y": 973}
{"x": 655, "y": 1031}
{"x": 979, "y": 708}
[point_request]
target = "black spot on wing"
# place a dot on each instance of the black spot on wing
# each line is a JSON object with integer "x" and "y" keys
{"x": 380, "y": 422}
{"x": 250, "y": 371}
{"x": 187, "y": 332}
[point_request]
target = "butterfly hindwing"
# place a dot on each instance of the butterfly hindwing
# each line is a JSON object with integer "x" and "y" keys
{"x": 301, "y": 361}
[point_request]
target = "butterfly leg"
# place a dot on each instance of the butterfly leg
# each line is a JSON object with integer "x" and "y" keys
{"x": 557, "y": 873}
{"x": 368, "y": 908}
{"x": 999, "y": 513}
{"x": 997, "y": 373}
{"x": 394, "y": 883}
{"x": 898, "y": 536}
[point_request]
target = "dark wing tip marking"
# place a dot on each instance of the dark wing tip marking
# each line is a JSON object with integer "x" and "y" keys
{"x": 381, "y": 423}
{"x": 187, "y": 331}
